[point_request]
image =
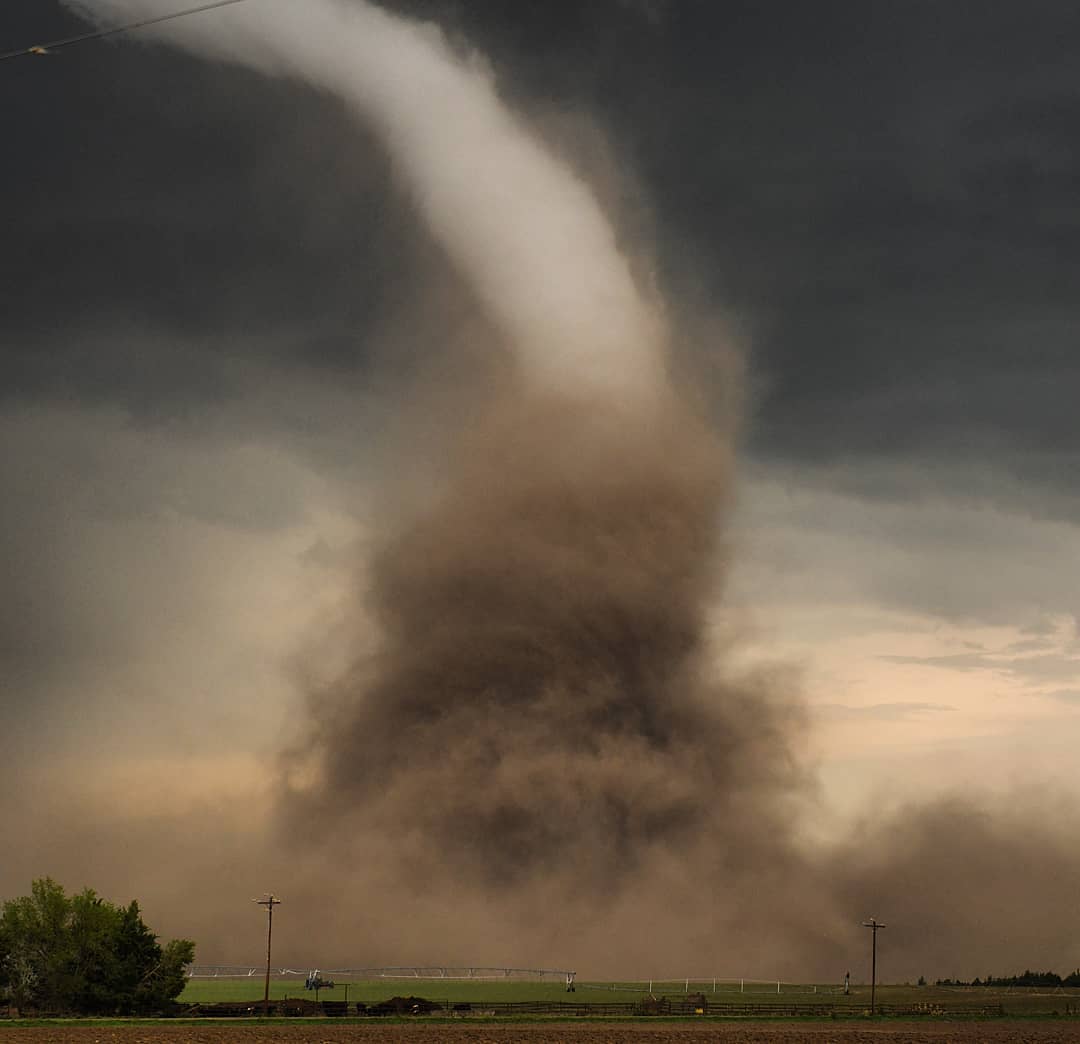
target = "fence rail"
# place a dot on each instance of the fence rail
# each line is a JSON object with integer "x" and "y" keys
{"x": 701, "y": 985}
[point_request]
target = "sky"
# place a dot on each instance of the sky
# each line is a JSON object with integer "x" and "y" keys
{"x": 238, "y": 335}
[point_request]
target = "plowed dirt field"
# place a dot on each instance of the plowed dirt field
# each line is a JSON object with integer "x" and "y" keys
{"x": 1013, "y": 1032}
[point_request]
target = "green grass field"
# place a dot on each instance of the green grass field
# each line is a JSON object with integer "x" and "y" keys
{"x": 381, "y": 989}
{"x": 1014, "y": 1001}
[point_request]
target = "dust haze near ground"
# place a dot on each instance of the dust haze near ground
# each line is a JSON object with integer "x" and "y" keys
{"x": 541, "y": 761}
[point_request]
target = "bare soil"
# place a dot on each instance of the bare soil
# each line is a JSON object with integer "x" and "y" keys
{"x": 998, "y": 1032}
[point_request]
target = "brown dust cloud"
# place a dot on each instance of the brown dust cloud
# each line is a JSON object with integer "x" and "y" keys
{"x": 543, "y": 758}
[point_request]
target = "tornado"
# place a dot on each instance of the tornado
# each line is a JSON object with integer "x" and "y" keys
{"x": 536, "y": 696}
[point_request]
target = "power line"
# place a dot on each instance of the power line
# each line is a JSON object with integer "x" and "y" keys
{"x": 56, "y": 45}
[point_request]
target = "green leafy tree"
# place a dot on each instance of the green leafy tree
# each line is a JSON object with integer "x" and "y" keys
{"x": 83, "y": 954}
{"x": 33, "y": 945}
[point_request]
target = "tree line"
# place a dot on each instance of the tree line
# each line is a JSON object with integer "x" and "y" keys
{"x": 1026, "y": 978}
{"x": 80, "y": 954}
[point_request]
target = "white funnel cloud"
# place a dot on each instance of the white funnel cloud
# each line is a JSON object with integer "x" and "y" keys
{"x": 522, "y": 227}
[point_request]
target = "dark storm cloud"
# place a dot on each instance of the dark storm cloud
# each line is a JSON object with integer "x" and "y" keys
{"x": 165, "y": 216}
{"x": 971, "y": 410}
{"x": 885, "y": 193}
{"x": 910, "y": 534}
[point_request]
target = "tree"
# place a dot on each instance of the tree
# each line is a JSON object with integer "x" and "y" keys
{"x": 83, "y": 954}
{"x": 33, "y": 940}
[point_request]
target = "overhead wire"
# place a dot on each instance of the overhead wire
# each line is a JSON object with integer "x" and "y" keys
{"x": 56, "y": 45}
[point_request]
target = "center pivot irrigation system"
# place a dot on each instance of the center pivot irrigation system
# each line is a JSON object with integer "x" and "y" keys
{"x": 241, "y": 971}
{"x": 477, "y": 973}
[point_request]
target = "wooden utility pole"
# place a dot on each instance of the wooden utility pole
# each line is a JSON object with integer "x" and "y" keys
{"x": 270, "y": 901}
{"x": 873, "y": 926}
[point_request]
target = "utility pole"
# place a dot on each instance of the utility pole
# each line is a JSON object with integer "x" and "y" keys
{"x": 270, "y": 901}
{"x": 873, "y": 926}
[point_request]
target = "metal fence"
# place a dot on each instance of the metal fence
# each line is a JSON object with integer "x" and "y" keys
{"x": 713, "y": 985}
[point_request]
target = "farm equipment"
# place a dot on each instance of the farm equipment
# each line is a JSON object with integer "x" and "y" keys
{"x": 316, "y": 982}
